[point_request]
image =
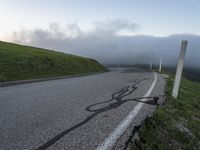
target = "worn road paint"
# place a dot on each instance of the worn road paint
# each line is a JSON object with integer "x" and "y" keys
{"x": 109, "y": 142}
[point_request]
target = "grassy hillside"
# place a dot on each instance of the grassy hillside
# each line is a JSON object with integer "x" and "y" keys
{"x": 176, "y": 124}
{"x": 19, "y": 62}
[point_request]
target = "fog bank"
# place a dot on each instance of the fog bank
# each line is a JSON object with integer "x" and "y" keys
{"x": 105, "y": 44}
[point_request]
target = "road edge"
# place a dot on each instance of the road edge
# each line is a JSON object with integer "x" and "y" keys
{"x": 21, "y": 82}
{"x": 109, "y": 142}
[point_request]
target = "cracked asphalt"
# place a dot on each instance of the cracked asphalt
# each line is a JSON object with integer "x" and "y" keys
{"x": 73, "y": 113}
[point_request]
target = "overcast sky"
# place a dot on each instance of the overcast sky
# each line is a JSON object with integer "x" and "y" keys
{"x": 107, "y": 30}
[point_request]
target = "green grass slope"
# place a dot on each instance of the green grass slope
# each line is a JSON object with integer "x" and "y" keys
{"x": 19, "y": 62}
{"x": 176, "y": 124}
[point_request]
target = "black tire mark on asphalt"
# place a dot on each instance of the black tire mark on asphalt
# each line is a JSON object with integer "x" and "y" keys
{"x": 117, "y": 99}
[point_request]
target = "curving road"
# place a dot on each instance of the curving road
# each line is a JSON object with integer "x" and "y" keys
{"x": 77, "y": 113}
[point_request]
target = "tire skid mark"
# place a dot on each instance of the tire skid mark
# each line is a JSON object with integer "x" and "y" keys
{"x": 115, "y": 102}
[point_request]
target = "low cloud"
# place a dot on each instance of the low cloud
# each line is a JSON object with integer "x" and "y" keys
{"x": 112, "y": 27}
{"x": 105, "y": 45}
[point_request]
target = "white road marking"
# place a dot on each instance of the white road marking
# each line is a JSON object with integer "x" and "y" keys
{"x": 109, "y": 142}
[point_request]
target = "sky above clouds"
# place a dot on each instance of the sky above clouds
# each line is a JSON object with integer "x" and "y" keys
{"x": 156, "y": 17}
{"x": 111, "y": 31}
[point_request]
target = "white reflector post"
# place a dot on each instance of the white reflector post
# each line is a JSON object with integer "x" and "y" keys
{"x": 179, "y": 69}
{"x": 160, "y": 66}
{"x": 150, "y": 67}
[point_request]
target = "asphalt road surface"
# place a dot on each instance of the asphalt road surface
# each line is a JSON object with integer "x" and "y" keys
{"x": 76, "y": 113}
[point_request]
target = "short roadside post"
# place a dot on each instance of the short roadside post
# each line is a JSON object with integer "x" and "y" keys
{"x": 160, "y": 66}
{"x": 150, "y": 67}
{"x": 118, "y": 67}
{"x": 179, "y": 69}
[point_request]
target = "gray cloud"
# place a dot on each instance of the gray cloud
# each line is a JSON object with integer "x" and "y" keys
{"x": 104, "y": 44}
{"x": 111, "y": 27}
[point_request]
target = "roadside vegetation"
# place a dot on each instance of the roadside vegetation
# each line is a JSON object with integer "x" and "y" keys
{"x": 175, "y": 124}
{"x": 19, "y": 62}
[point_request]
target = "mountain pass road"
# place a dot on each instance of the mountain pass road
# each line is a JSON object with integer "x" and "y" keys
{"x": 89, "y": 112}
